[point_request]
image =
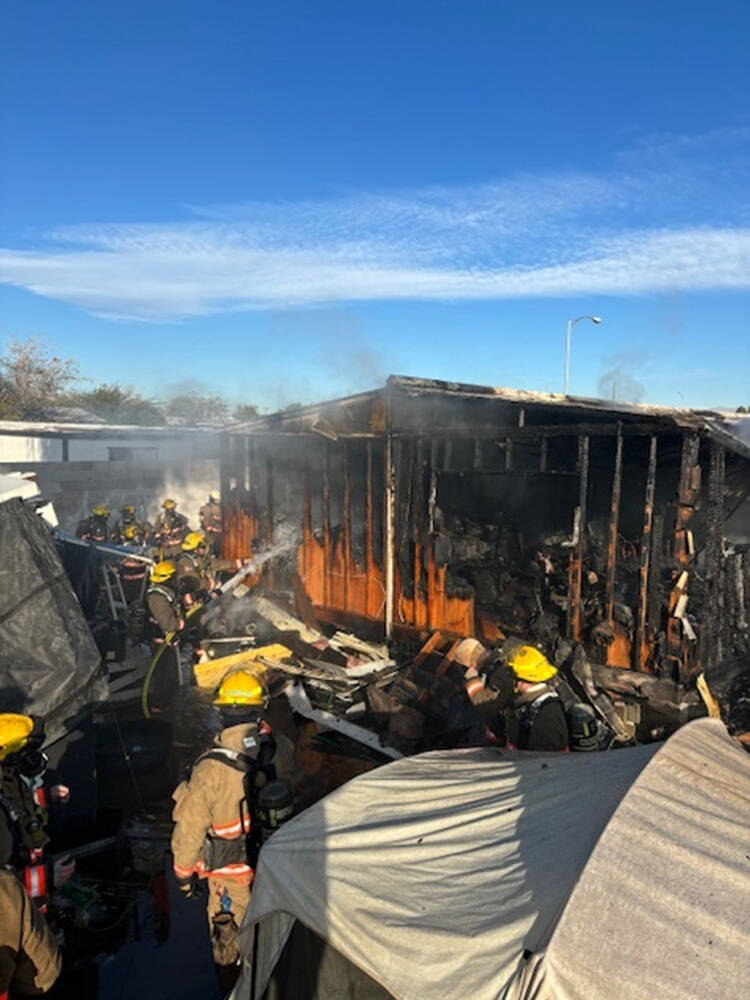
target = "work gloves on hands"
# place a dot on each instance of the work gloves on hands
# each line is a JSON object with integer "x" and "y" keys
{"x": 188, "y": 886}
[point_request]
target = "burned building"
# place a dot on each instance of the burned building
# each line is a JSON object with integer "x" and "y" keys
{"x": 492, "y": 512}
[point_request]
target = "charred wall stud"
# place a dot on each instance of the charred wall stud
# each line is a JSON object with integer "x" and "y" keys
{"x": 688, "y": 490}
{"x": 641, "y": 647}
{"x": 579, "y": 534}
{"x": 714, "y": 646}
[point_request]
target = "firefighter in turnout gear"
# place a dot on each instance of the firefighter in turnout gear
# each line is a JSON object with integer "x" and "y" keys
{"x": 170, "y": 529}
{"x": 129, "y": 530}
{"x": 24, "y": 806}
{"x": 211, "y": 522}
{"x": 163, "y": 598}
{"x": 511, "y": 688}
{"x": 29, "y": 957}
{"x": 95, "y": 528}
{"x": 217, "y": 832}
{"x": 194, "y": 568}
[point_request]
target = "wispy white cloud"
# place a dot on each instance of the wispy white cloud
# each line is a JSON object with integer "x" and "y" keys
{"x": 630, "y": 232}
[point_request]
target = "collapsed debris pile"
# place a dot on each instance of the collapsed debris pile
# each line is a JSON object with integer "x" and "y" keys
{"x": 416, "y": 700}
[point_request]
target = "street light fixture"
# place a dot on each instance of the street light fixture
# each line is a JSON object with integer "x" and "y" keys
{"x": 571, "y": 324}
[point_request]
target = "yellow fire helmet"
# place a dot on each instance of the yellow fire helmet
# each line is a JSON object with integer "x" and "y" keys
{"x": 163, "y": 571}
{"x": 14, "y": 733}
{"x": 242, "y": 687}
{"x": 531, "y": 665}
{"x": 169, "y": 504}
{"x": 214, "y": 496}
{"x": 192, "y": 540}
{"x": 130, "y": 532}
{"x": 127, "y": 508}
{"x": 101, "y": 510}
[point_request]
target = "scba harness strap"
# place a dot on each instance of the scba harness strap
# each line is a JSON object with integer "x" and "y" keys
{"x": 527, "y": 715}
{"x": 227, "y": 846}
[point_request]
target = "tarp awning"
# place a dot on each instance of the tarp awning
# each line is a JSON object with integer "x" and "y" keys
{"x": 49, "y": 663}
{"x": 662, "y": 908}
{"x": 434, "y": 873}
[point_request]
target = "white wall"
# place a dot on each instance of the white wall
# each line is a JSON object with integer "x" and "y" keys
{"x": 27, "y": 448}
{"x": 183, "y": 466}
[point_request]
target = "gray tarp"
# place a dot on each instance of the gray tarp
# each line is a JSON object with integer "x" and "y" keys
{"x": 49, "y": 663}
{"x": 434, "y": 873}
{"x": 663, "y": 906}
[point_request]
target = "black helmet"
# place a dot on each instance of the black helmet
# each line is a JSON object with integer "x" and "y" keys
{"x": 583, "y": 727}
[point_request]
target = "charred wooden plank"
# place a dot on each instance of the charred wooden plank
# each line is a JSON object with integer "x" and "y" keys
{"x": 389, "y": 523}
{"x": 641, "y": 648}
{"x": 579, "y": 532}
{"x": 614, "y": 524}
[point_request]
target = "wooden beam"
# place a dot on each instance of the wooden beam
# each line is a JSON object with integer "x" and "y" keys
{"x": 640, "y": 655}
{"x": 614, "y": 524}
{"x": 575, "y": 573}
{"x": 389, "y": 522}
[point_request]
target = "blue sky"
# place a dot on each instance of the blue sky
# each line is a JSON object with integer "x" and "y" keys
{"x": 290, "y": 201}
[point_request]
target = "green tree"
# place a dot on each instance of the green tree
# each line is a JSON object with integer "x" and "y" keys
{"x": 116, "y": 404}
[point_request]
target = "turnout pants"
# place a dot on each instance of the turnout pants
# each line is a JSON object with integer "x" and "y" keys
{"x": 227, "y": 901}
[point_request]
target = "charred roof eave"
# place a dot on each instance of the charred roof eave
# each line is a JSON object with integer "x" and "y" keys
{"x": 352, "y": 416}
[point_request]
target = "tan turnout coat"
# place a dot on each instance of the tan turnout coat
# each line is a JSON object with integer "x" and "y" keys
{"x": 29, "y": 957}
{"x": 212, "y": 802}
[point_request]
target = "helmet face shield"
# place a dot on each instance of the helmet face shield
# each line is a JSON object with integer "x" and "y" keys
{"x": 242, "y": 688}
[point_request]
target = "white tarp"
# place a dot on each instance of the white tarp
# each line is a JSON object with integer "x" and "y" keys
{"x": 434, "y": 873}
{"x": 663, "y": 906}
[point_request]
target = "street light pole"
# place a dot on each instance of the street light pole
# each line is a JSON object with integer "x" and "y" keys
{"x": 568, "y": 335}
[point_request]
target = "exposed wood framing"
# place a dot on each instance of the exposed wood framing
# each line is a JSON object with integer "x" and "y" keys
{"x": 269, "y": 512}
{"x": 369, "y": 550}
{"x": 543, "y": 455}
{"x": 688, "y": 489}
{"x": 389, "y": 527}
{"x": 714, "y": 646}
{"x": 327, "y": 566}
{"x": 347, "y": 525}
{"x": 614, "y": 525}
{"x": 579, "y": 534}
{"x": 416, "y": 510}
{"x": 432, "y": 498}
{"x": 641, "y": 646}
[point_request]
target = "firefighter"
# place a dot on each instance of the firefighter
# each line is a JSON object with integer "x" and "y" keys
{"x": 163, "y": 598}
{"x": 194, "y": 568}
{"x": 211, "y": 522}
{"x": 24, "y": 806}
{"x": 526, "y": 712}
{"x": 170, "y": 529}
{"x": 128, "y": 530}
{"x": 133, "y": 572}
{"x": 29, "y": 957}
{"x": 95, "y": 528}
{"x": 197, "y": 569}
{"x": 214, "y": 813}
